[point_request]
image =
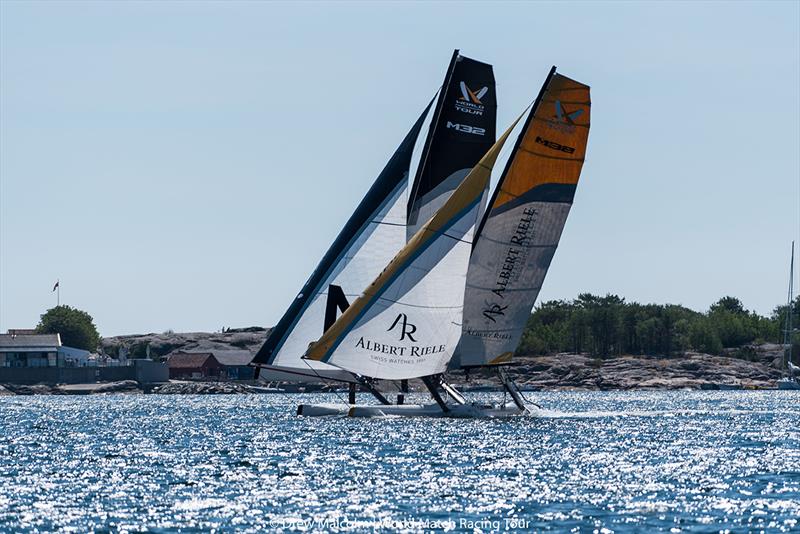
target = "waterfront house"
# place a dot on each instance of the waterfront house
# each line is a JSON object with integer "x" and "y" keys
{"x": 40, "y": 350}
{"x": 194, "y": 365}
{"x": 236, "y": 363}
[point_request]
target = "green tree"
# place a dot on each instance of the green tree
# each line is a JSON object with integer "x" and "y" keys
{"x": 728, "y": 304}
{"x": 704, "y": 338}
{"x": 75, "y": 326}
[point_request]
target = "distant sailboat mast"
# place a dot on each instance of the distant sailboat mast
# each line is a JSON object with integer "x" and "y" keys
{"x": 787, "y": 333}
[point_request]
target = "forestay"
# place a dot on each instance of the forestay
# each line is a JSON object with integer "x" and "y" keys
{"x": 522, "y": 226}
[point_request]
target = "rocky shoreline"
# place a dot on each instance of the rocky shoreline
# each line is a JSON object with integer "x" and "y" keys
{"x": 689, "y": 371}
{"x": 542, "y": 373}
{"x": 749, "y": 367}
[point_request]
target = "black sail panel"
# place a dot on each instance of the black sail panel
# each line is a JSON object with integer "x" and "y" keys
{"x": 463, "y": 129}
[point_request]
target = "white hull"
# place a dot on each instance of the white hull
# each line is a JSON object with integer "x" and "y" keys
{"x": 472, "y": 410}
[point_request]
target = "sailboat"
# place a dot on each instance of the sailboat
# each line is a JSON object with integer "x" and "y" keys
{"x": 461, "y": 268}
{"x": 418, "y": 179}
{"x": 790, "y": 370}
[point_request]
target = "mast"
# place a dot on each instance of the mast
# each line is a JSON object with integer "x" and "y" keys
{"x": 787, "y": 334}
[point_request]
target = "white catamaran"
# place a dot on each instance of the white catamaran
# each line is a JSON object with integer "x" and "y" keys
{"x": 459, "y": 292}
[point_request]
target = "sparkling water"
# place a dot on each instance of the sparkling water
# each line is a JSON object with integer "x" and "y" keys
{"x": 594, "y": 462}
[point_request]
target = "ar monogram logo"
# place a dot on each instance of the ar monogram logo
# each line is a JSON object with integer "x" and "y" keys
{"x": 493, "y": 311}
{"x": 406, "y": 328}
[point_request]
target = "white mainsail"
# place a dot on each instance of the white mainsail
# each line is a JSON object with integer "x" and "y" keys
{"x": 372, "y": 236}
{"x": 436, "y": 157}
{"x": 408, "y": 321}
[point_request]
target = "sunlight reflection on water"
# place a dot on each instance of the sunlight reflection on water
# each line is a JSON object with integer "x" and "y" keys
{"x": 677, "y": 461}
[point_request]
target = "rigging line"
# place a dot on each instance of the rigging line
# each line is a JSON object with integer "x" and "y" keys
{"x": 389, "y": 224}
{"x": 439, "y": 232}
{"x": 321, "y": 378}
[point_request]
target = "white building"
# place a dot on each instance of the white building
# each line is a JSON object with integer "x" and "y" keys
{"x": 40, "y": 350}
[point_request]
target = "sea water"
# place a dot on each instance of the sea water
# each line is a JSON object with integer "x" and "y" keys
{"x": 593, "y": 462}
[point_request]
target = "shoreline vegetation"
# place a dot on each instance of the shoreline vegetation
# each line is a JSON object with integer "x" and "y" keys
{"x": 589, "y": 343}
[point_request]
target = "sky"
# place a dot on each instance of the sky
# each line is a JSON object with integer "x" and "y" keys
{"x": 185, "y": 165}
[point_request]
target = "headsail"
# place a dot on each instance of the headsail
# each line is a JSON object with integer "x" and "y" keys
{"x": 407, "y": 322}
{"x": 463, "y": 129}
{"x": 521, "y": 228}
{"x": 374, "y": 233}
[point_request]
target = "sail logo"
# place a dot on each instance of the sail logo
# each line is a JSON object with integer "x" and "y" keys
{"x": 466, "y": 128}
{"x": 493, "y": 311}
{"x": 555, "y": 146}
{"x": 516, "y": 256}
{"x": 563, "y": 120}
{"x": 470, "y": 101}
{"x": 406, "y": 329}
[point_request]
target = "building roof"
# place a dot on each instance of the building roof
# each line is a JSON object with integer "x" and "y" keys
{"x": 28, "y": 341}
{"x": 21, "y": 331}
{"x": 188, "y": 360}
{"x": 233, "y": 358}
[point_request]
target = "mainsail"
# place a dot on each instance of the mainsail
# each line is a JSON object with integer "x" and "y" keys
{"x": 407, "y": 322}
{"x": 374, "y": 233}
{"x": 377, "y": 229}
{"x": 464, "y": 128}
{"x": 522, "y": 225}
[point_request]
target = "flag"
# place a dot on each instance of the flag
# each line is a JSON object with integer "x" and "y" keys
{"x": 55, "y": 286}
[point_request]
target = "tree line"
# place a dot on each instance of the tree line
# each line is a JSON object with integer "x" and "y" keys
{"x": 608, "y": 326}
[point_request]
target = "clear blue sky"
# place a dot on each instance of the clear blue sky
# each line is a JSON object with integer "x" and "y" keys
{"x": 185, "y": 165}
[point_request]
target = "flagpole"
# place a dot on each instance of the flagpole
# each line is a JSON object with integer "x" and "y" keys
{"x": 58, "y": 295}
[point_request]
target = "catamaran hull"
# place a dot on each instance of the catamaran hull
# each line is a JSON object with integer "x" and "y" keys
{"x": 415, "y": 410}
